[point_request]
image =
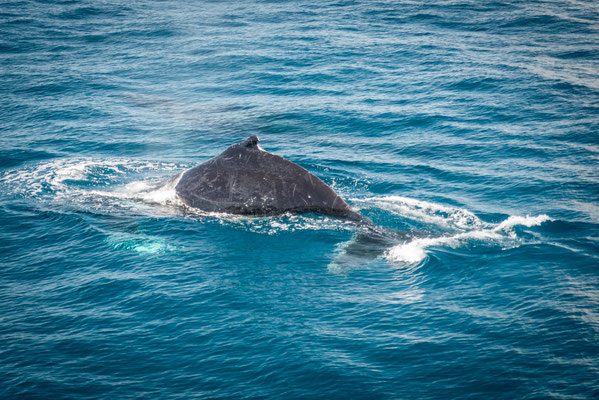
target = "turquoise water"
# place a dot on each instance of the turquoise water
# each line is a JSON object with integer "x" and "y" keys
{"x": 471, "y": 127}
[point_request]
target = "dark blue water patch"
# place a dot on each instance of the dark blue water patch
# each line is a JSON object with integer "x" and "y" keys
{"x": 585, "y": 54}
{"x": 130, "y": 147}
{"x": 88, "y": 13}
{"x": 48, "y": 262}
{"x": 19, "y": 47}
{"x": 228, "y": 63}
{"x": 56, "y": 120}
{"x": 484, "y": 109}
{"x": 545, "y": 22}
{"x": 16, "y": 20}
{"x": 16, "y": 157}
{"x": 571, "y": 228}
{"x": 477, "y": 84}
{"x": 61, "y": 2}
{"x": 52, "y": 88}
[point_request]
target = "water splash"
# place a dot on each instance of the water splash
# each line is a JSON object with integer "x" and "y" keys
{"x": 107, "y": 186}
{"x": 104, "y": 186}
{"x": 67, "y": 175}
{"x": 117, "y": 187}
{"x": 425, "y": 211}
{"x": 411, "y": 248}
{"x": 470, "y": 228}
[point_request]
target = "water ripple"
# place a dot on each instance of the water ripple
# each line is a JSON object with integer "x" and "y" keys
{"x": 465, "y": 131}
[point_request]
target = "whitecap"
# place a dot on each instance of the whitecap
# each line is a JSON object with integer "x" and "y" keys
{"x": 425, "y": 211}
{"x": 415, "y": 251}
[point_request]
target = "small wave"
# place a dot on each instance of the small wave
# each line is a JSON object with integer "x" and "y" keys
{"x": 148, "y": 191}
{"x": 140, "y": 187}
{"x": 110, "y": 186}
{"x": 415, "y": 251}
{"x": 105, "y": 186}
{"x": 522, "y": 221}
{"x": 425, "y": 211}
{"x": 62, "y": 176}
{"x": 460, "y": 225}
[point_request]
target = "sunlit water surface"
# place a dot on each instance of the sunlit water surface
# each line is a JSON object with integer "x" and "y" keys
{"x": 471, "y": 128}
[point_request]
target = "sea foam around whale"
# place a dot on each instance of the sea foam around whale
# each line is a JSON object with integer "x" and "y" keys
{"x": 106, "y": 186}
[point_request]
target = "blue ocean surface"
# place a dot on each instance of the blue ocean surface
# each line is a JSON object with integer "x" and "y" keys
{"x": 467, "y": 131}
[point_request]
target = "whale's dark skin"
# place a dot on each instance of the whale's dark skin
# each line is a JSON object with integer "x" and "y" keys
{"x": 245, "y": 179}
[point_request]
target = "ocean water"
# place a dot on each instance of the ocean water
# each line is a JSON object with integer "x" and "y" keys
{"x": 468, "y": 132}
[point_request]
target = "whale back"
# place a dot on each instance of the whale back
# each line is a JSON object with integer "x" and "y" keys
{"x": 245, "y": 179}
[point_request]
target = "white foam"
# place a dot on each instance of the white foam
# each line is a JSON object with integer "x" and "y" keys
{"x": 53, "y": 176}
{"x": 468, "y": 226}
{"x": 414, "y": 251}
{"x": 150, "y": 192}
{"x": 80, "y": 182}
{"x": 522, "y": 221}
{"x": 426, "y": 212}
{"x": 100, "y": 185}
{"x": 76, "y": 171}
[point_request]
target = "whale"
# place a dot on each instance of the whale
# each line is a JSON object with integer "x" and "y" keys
{"x": 245, "y": 179}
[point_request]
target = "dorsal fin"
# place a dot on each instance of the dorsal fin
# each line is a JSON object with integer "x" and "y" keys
{"x": 252, "y": 141}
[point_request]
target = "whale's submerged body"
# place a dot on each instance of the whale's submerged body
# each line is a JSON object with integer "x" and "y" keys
{"x": 245, "y": 179}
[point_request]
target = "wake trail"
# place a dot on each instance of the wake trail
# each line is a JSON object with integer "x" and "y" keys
{"x": 148, "y": 188}
{"x": 466, "y": 226}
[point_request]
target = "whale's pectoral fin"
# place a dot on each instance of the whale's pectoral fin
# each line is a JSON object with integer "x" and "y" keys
{"x": 365, "y": 246}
